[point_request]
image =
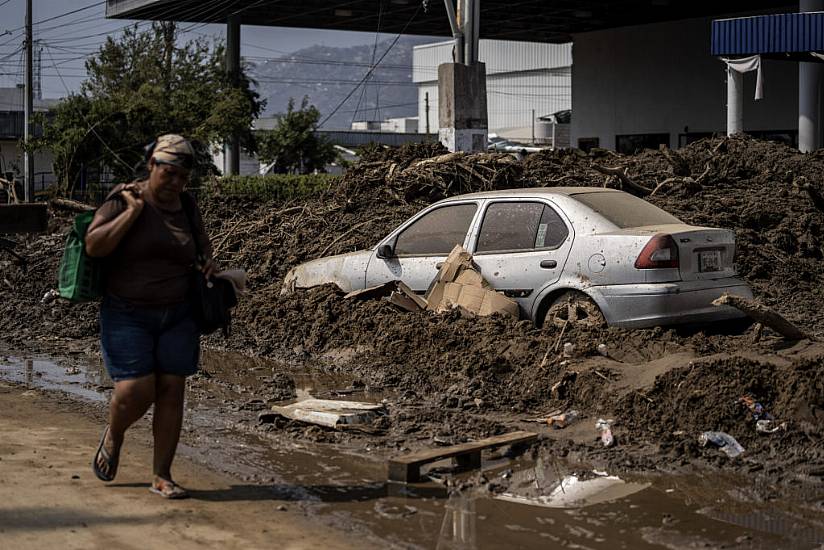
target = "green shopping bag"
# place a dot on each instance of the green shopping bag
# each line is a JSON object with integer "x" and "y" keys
{"x": 80, "y": 276}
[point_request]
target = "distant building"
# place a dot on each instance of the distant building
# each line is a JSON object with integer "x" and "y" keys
{"x": 391, "y": 132}
{"x": 524, "y": 81}
{"x": 12, "y": 116}
{"x": 401, "y": 125}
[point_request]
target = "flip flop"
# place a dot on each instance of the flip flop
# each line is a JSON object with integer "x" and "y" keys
{"x": 111, "y": 461}
{"x": 169, "y": 489}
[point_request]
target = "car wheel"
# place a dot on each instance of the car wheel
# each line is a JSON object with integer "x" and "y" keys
{"x": 576, "y": 308}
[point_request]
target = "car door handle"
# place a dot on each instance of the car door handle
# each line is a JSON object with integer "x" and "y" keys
{"x": 549, "y": 264}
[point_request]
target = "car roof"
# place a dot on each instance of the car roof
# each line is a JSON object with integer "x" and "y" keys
{"x": 532, "y": 192}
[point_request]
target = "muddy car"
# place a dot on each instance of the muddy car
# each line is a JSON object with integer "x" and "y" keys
{"x": 581, "y": 254}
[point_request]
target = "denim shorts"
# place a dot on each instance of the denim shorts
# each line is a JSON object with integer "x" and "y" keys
{"x": 138, "y": 341}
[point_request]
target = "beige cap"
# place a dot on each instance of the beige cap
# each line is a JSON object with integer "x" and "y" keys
{"x": 174, "y": 149}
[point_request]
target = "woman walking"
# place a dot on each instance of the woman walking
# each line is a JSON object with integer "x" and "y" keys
{"x": 149, "y": 340}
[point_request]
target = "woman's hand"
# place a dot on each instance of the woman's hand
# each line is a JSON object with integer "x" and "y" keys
{"x": 133, "y": 197}
{"x": 209, "y": 268}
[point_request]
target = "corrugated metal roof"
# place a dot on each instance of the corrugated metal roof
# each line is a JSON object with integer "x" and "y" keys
{"x": 786, "y": 33}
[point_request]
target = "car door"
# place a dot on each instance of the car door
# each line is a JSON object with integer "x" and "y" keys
{"x": 521, "y": 246}
{"x": 421, "y": 244}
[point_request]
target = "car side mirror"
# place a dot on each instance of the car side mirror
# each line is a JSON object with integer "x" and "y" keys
{"x": 385, "y": 251}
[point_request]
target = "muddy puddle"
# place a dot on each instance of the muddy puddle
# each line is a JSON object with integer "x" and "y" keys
{"x": 512, "y": 502}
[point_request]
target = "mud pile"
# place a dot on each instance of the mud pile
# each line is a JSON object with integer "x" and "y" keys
{"x": 449, "y": 363}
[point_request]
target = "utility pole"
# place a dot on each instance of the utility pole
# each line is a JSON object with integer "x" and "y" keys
{"x": 533, "y": 126}
{"x": 28, "y": 158}
{"x": 426, "y": 102}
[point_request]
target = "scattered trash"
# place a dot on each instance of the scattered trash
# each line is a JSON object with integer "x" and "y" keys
{"x": 756, "y": 408}
{"x": 50, "y": 296}
{"x": 769, "y": 426}
{"x": 459, "y": 285}
{"x": 332, "y": 414}
{"x": 602, "y": 349}
{"x": 561, "y": 421}
{"x": 72, "y": 370}
{"x": 569, "y": 349}
{"x": 723, "y": 441}
{"x": 604, "y": 428}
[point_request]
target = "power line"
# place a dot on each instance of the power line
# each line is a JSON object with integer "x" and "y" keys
{"x": 91, "y": 127}
{"x": 403, "y": 30}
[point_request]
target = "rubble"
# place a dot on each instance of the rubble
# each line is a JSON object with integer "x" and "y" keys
{"x": 658, "y": 382}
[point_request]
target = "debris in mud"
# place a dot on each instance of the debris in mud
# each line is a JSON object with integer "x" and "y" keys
{"x": 407, "y": 468}
{"x": 561, "y": 421}
{"x": 458, "y": 285}
{"x": 724, "y": 441}
{"x": 604, "y": 428}
{"x": 762, "y": 315}
{"x": 659, "y": 382}
{"x": 330, "y": 414}
{"x": 769, "y": 426}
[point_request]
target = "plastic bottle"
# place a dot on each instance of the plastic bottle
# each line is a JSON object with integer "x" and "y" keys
{"x": 723, "y": 441}
{"x": 604, "y": 428}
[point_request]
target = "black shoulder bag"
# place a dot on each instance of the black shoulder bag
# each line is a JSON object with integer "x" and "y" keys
{"x": 212, "y": 301}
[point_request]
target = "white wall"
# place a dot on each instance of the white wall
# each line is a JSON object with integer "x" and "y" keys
{"x": 521, "y": 77}
{"x": 660, "y": 78}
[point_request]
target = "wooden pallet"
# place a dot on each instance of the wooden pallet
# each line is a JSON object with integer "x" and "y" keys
{"x": 407, "y": 468}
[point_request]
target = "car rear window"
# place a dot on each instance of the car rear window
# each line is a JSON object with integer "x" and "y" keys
{"x": 625, "y": 210}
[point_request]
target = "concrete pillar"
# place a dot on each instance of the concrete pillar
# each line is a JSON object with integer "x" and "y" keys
{"x": 231, "y": 158}
{"x": 735, "y": 102}
{"x": 810, "y": 79}
{"x": 462, "y": 117}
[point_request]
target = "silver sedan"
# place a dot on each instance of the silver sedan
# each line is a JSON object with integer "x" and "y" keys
{"x": 565, "y": 254}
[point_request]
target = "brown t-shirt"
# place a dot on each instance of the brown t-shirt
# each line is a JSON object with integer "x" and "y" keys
{"x": 152, "y": 264}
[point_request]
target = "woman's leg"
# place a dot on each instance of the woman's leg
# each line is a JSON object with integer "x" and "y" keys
{"x": 168, "y": 419}
{"x": 130, "y": 401}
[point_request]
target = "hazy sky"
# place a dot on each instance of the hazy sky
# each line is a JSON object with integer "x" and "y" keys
{"x": 68, "y": 40}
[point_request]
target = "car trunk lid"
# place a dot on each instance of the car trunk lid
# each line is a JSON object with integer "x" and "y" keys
{"x": 703, "y": 252}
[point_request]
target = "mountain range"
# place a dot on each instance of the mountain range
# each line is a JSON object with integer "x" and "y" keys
{"x": 327, "y": 75}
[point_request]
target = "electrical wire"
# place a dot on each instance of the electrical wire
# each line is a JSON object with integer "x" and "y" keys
{"x": 91, "y": 126}
{"x": 392, "y": 45}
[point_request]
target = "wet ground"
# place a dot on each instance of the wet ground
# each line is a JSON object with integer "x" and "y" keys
{"x": 519, "y": 502}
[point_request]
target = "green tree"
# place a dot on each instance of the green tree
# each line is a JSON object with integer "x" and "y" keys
{"x": 143, "y": 85}
{"x": 293, "y": 146}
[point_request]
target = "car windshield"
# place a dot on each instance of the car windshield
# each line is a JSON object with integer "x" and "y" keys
{"x": 625, "y": 210}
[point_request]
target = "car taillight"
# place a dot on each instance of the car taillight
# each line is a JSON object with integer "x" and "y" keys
{"x": 660, "y": 252}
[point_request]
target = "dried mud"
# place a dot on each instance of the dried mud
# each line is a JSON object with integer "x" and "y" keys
{"x": 454, "y": 378}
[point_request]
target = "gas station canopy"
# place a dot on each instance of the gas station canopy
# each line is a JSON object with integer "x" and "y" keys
{"x": 527, "y": 20}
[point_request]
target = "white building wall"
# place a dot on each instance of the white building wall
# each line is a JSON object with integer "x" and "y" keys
{"x": 662, "y": 79}
{"x": 521, "y": 77}
{"x": 499, "y": 56}
{"x": 514, "y": 100}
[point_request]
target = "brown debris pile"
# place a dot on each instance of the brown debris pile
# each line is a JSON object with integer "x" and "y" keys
{"x": 766, "y": 192}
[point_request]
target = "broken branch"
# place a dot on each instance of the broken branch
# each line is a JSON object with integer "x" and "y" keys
{"x": 345, "y": 233}
{"x": 621, "y": 174}
{"x": 763, "y": 315}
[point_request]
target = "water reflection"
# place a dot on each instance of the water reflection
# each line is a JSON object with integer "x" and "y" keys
{"x": 551, "y": 485}
{"x": 459, "y": 529}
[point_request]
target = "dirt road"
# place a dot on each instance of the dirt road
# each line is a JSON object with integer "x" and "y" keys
{"x": 49, "y": 497}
